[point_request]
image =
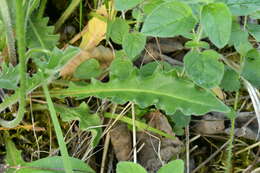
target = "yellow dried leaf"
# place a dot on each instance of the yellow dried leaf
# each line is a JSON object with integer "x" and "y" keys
{"x": 96, "y": 30}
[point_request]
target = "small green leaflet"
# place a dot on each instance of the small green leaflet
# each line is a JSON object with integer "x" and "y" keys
{"x": 204, "y": 68}
{"x": 216, "y": 20}
{"x": 168, "y": 20}
{"x": 160, "y": 89}
{"x": 86, "y": 120}
{"x": 129, "y": 167}
{"x": 254, "y": 30}
{"x": 126, "y": 4}
{"x": 133, "y": 44}
{"x": 9, "y": 77}
{"x": 117, "y": 29}
{"x": 251, "y": 70}
{"x": 175, "y": 166}
{"x": 88, "y": 69}
{"x": 230, "y": 81}
{"x": 121, "y": 68}
{"x": 239, "y": 39}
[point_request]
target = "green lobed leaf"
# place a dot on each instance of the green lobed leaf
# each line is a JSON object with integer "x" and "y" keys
{"x": 86, "y": 120}
{"x": 129, "y": 167}
{"x": 117, "y": 29}
{"x": 88, "y": 69}
{"x": 216, "y": 20}
{"x": 9, "y": 77}
{"x": 54, "y": 165}
{"x": 230, "y": 81}
{"x": 251, "y": 70}
{"x": 126, "y": 4}
{"x": 163, "y": 90}
{"x": 168, "y": 20}
{"x": 40, "y": 35}
{"x": 175, "y": 166}
{"x": 133, "y": 44}
{"x": 254, "y": 30}
{"x": 204, "y": 68}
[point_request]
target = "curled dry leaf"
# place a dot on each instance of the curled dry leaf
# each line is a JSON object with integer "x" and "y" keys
{"x": 96, "y": 30}
{"x": 211, "y": 124}
{"x": 104, "y": 55}
{"x": 122, "y": 141}
{"x": 148, "y": 156}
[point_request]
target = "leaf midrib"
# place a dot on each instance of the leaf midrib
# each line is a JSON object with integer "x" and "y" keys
{"x": 72, "y": 92}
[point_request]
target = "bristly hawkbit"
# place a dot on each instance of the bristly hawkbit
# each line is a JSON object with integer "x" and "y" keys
{"x": 104, "y": 55}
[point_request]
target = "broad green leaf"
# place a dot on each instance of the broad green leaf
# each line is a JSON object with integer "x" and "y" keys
{"x": 133, "y": 44}
{"x": 251, "y": 70}
{"x": 117, "y": 29}
{"x": 254, "y": 30}
{"x": 163, "y": 90}
{"x": 2, "y": 36}
{"x": 13, "y": 156}
{"x": 9, "y": 77}
{"x": 129, "y": 167}
{"x": 149, "y": 6}
{"x": 40, "y": 35}
{"x": 176, "y": 166}
{"x": 204, "y": 68}
{"x": 88, "y": 69}
{"x": 243, "y": 7}
{"x": 126, "y": 4}
{"x": 54, "y": 165}
{"x": 121, "y": 68}
{"x": 230, "y": 81}
{"x": 86, "y": 120}
{"x": 216, "y": 20}
{"x": 168, "y": 20}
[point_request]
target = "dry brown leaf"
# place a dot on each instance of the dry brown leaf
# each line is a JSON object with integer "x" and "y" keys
{"x": 96, "y": 30}
{"x": 122, "y": 141}
{"x": 148, "y": 155}
{"x": 103, "y": 55}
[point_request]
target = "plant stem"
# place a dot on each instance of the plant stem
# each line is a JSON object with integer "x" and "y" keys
{"x": 42, "y": 8}
{"x": 58, "y": 131}
{"x": 9, "y": 31}
{"x": 20, "y": 34}
{"x": 231, "y": 138}
{"x": 66, "y": 14}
